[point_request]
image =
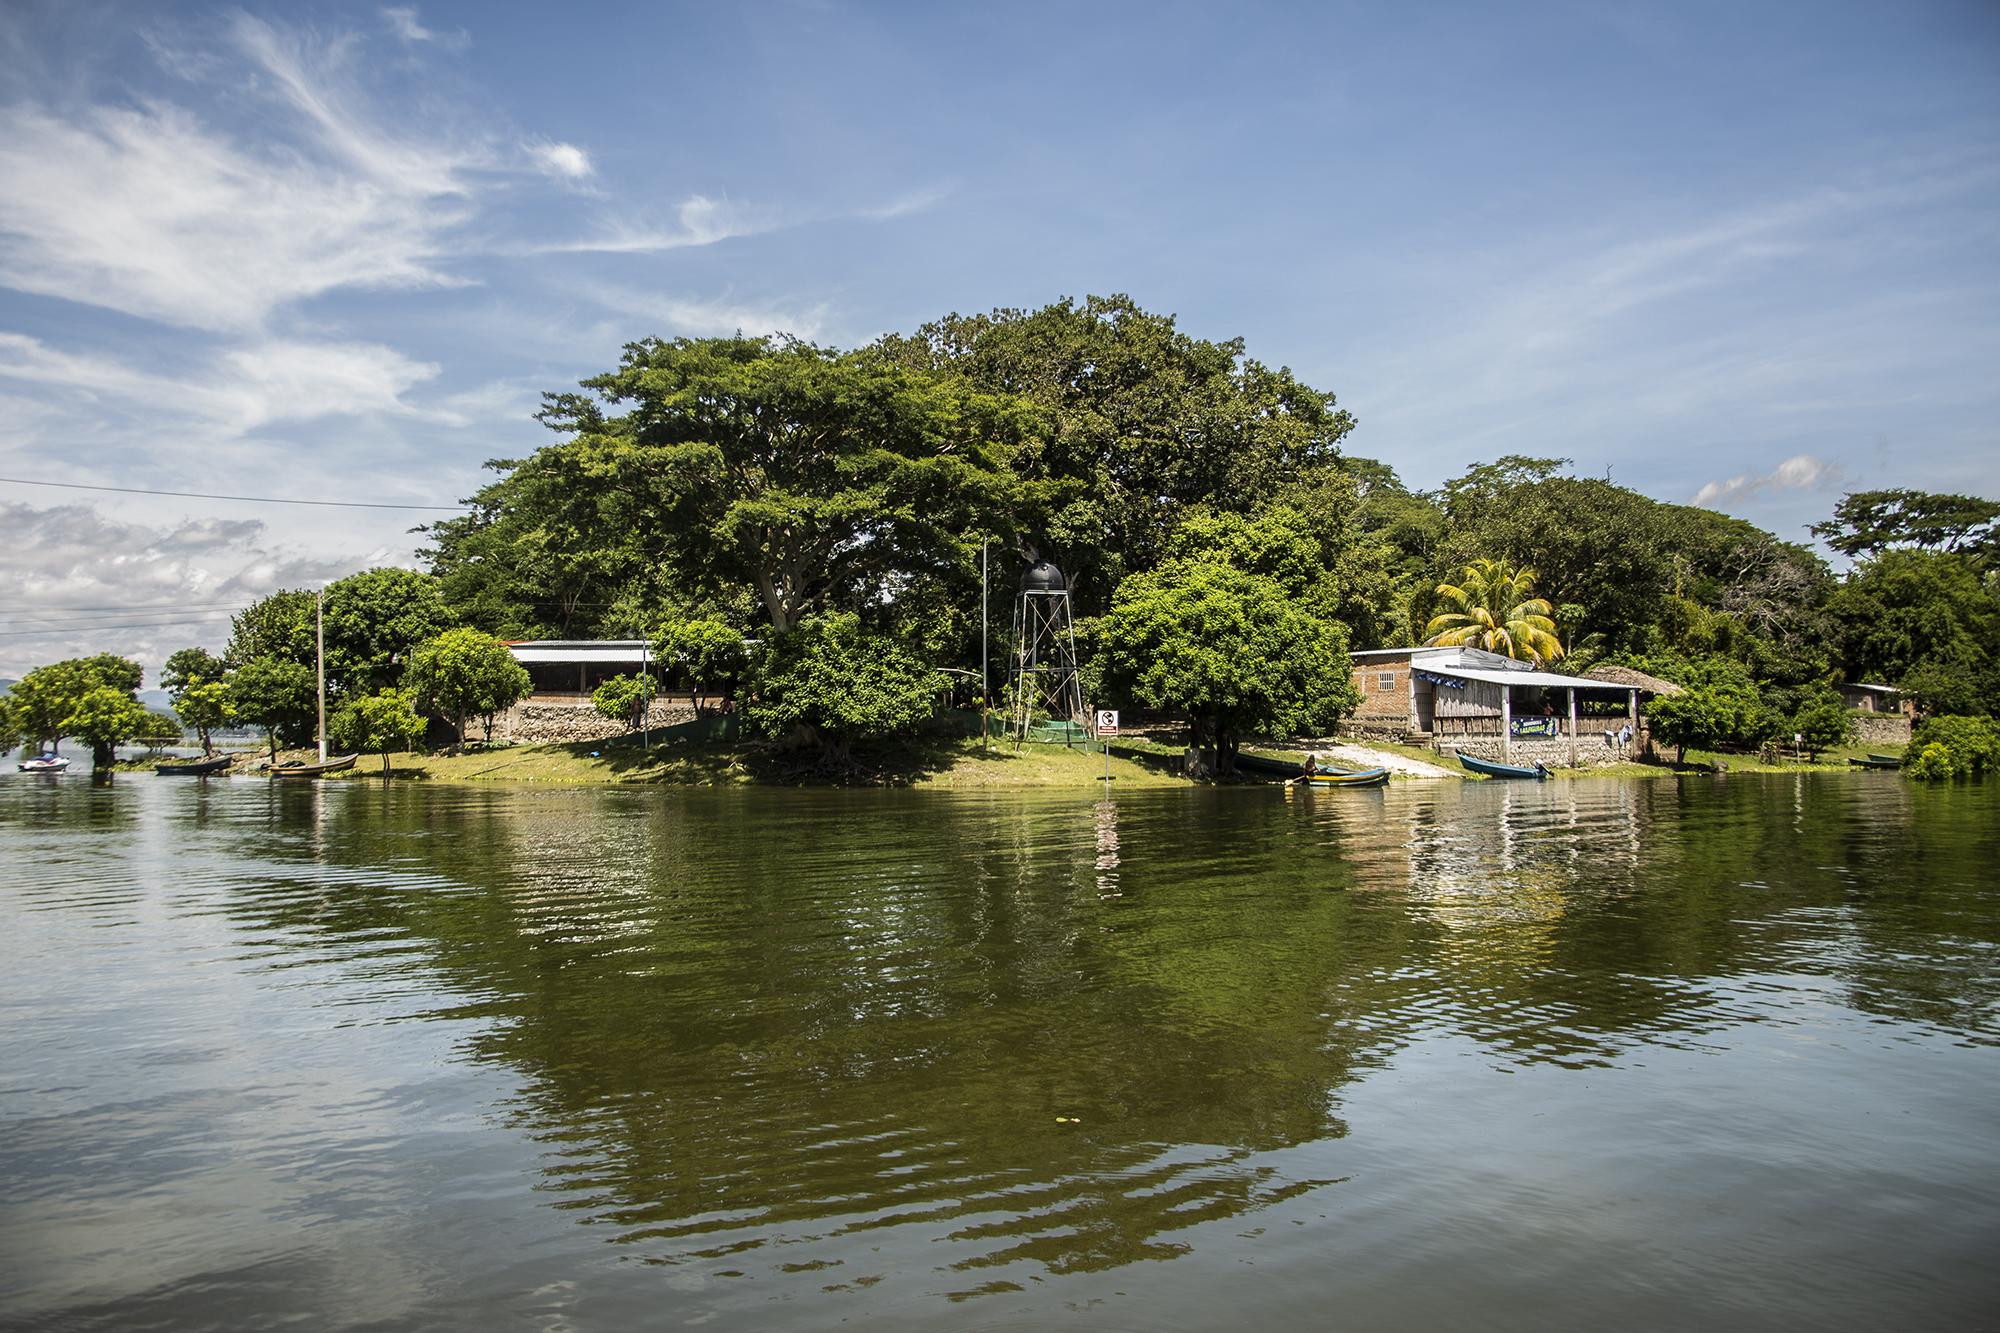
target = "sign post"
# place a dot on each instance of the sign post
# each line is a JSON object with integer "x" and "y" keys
{"x": 1107, "y": 726}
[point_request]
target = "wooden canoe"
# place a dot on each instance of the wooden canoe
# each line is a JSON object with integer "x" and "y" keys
{"x": 313, "y": 770}
{"x": 1324, "y": 777}
{"x": 1367, "y": 777}
{"x": 199, "y": 768}
{"x": 1876, "y": 761}
{"x": 1495, "y": 770}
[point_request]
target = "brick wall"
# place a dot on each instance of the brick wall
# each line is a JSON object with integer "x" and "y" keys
{"x": 1383, "y": 706}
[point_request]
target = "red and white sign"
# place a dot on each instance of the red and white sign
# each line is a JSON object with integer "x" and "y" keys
{"x": 1107, "y": 722}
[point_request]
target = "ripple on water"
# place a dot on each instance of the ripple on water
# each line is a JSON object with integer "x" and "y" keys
{"x": 472, "y": 1052}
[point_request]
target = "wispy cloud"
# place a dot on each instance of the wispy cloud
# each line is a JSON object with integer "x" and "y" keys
{"x": 147, "y": 210}
{"x": 698, "y": 220}
{"x": 403, "y": 22}
{"x": 694, "y": 316}
{"x": 240, "y": 389}
{"x": 906, "y": 204}
{"x": 1800, "y": 472}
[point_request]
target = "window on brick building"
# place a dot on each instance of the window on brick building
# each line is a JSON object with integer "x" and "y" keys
{"x": 1385, "y": 681}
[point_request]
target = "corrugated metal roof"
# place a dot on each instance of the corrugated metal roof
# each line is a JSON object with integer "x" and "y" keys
{"x": 1544, "y": 678}
{"x": 624, "y": 651}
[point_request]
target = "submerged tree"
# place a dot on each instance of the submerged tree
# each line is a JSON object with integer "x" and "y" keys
{"x": 45, "y": 701}
{"x": 1492, "y": 609}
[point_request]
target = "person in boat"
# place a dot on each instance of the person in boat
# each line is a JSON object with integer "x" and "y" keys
{"x": 1310, "y": 767}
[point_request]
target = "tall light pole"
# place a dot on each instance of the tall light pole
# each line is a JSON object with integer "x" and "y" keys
{"x": 985, "y": 616}
{"x": 319, "y": 645}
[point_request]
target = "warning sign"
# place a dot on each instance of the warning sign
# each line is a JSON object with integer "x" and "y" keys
{"x": 1107, "y": 722}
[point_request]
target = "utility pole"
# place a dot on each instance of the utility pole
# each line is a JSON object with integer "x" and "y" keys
{"x": 319, "y": 655}
{"x": 646, "y": 718}
{"x": 985, "y": 615}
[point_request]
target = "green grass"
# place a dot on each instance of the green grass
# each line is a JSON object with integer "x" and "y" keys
{"x": 928, "y": 762}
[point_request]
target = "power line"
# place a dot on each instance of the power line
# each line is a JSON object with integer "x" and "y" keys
{"x": 249, "y": 499}
{"x": 93, "y": 628}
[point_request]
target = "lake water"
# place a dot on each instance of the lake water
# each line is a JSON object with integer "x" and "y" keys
{"x": 1717, "y": 1052}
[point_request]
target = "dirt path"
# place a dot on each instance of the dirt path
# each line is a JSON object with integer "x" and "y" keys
{"x": 1362, "y": 757}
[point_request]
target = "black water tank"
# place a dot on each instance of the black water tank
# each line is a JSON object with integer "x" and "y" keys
{"x": 1043, "y": 576}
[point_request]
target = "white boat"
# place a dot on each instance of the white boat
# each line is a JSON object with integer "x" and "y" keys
{"x": 47, "y": 763}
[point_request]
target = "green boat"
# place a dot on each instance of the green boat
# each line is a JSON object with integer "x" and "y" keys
{"x": 1877, "y": 761}
{"x": 1324, "y": 777}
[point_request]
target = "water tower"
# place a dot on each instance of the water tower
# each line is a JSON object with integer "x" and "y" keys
{"x": 1045, "y": 678}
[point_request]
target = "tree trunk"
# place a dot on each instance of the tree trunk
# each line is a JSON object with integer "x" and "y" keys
{"x": 103, "y": 756}
{"x": 272, "y": 736}
{"x": 385, "y": 763}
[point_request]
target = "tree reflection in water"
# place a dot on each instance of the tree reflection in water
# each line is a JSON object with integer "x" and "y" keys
{"x": 1057, "y": 1034}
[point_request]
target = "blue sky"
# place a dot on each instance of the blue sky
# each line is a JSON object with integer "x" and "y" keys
{"x": 1745, "y": 253}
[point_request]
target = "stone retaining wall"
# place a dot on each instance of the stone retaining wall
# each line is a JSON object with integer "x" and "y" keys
{"x": 1591, "y": 750}
{"x": 540, "y": 722}
{"x": 1881, "y": 728}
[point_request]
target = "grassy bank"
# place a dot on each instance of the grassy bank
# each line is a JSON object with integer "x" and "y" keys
{"x": 936, "y": 763}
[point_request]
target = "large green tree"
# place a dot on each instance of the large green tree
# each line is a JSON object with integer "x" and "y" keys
{"x": 1228, "y": 650}
{"x": 802, "y": 477}
{"x": 1143, "y": 422}
{"x": 103, "y": 716}
{"x": 464, "y": 673}
{"x": 277, "y": 694}
{"x": 831, "y": 682}
{"x": 1867, "y": 523}
{"x": 373, "y": 620}
{"x": 45, "y": 700}
{"x": 378, "y": 723}
{"x": 1906, "y": 610}
{"x": 710, "y": 653}
{"x": 205, "y": 707}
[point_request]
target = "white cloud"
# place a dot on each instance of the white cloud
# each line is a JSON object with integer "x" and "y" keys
{"x": 403, "y": 22}
{"x": 721, "y": 316}
{"x": 905, "y": 204}
{"x": 146, "y": 212}
{"x": 76, "y": 582}
{"x": 698, "y": 220}
{"x": 242, "y": 389}
{"x": 565, "y": 161}
{"x": 1800, "y": 472}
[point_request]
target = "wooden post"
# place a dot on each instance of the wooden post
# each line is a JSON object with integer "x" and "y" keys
{"x": 1632, "y": 716}
{"x": 1572, "y": 726}
{"x": 1506, "y": 721}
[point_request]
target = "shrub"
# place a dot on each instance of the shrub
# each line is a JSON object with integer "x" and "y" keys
{"x": 1964, "y": 745}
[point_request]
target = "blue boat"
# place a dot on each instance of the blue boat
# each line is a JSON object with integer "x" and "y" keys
{"x": 1493, "y": 770}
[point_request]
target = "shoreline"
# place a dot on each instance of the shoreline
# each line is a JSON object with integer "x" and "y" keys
{"x": 944, "y": 764}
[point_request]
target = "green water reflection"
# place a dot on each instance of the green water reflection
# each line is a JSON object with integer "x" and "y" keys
{"x": 777, "y": 1034}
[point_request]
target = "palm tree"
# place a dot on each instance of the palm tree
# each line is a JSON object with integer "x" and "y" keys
{"x": 1493, "y": 610}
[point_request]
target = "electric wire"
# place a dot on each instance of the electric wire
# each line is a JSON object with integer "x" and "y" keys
{"x": 248, "y": 499}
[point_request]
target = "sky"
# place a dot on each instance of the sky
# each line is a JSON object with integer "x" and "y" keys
{"x": 1737, "y": 255}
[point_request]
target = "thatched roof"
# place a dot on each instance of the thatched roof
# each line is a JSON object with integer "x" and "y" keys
{"x": 1618, "y": 675}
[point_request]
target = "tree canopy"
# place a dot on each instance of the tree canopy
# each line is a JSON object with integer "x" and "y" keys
{"x": 1228, "y": 650}
{"x": 1867, "y": 523}
{"x": 463, "y": 673}
{"x": 832, "y": 682}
